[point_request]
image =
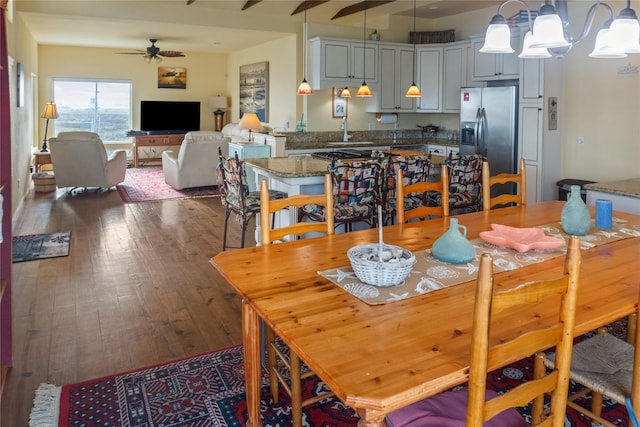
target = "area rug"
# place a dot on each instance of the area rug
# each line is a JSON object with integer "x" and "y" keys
{"x": 208, "y": 390}
{"x": 40, "y": 246}
{"x": 147, "y": 184}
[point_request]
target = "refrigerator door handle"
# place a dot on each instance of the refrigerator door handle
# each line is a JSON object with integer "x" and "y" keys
{"x": 477, "y": 130}
{"x": 482, "y": 148}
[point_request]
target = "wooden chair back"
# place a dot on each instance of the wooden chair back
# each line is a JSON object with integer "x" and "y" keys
{"x": 488, "y": 181}
{"x": 489, "y": 352}
{"x": 269, "y": 207}
{"x": 423, "y": 210}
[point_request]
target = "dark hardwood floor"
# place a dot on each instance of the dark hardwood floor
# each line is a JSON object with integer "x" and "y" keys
{"x": 136, "y": 290}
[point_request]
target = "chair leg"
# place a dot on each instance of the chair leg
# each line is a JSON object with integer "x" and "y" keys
{"x": 537, "y": 406}
{"x": 632, "y": 322}
{"x": 271, "y": 363}
{"x": 296, "y": 390}
{"x": 224, "y": 233}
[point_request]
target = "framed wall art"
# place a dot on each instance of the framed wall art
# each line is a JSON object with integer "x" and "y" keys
{"x": 339, "y": 104}
{"x": 172, "y": 78}
{"x": 254, "y": 90}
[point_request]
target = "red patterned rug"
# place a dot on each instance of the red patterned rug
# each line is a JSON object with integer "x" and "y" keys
{"x": 208, "y": 390}
{"x": 147, "y": 184}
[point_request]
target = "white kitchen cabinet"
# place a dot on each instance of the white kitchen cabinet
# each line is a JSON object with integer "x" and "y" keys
{"x": 429, "y": 70}
{"x": 396, "y": 74}
{"x": 531, "y": 80}
{"x": 341, "y": 62}
{"x": 454, "y": 75}
{"x": 530, "y": 130}
{"x": 491, "y": 66}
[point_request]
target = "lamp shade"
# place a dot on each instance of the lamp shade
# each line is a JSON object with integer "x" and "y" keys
{"x": 218, "y": 102}
{"x": 249, "y": 121}
{"x": 304, "y": 88}
{"x": 50, "y": 111}
{"x": 624, "y": 33}
{"x": 364, "y": 90}
{"x": 529, "y": 52}
{"x": 497, "y": 39}
{"x": 413, "y": 91}
{"x": 548, "y": 30}
{"x": 601, "y": 50}
{"x": 345, "y": 93}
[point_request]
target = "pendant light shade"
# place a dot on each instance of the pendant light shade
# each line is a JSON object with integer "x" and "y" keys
{"x": 602, "y": 48}
{"x": 364, "y": 89}
{"x": 529, "y": 52}
{"x": 548, "y": 29}
{"x": 497, "y": 38}
{"x": 624, "y": 33}
{"x": 345, "y": 93}
{"x": 304, "y": 88}
{"x": 414, "y": 90}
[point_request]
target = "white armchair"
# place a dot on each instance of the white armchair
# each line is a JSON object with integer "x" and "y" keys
{"x": 195, "y": 164}
{"x": 80, "y": 160}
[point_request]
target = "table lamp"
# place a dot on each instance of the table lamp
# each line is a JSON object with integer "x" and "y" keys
{"x": 50, "y": 112}
{"x": 218, "y": 103}
{"x": 250, "y": 121}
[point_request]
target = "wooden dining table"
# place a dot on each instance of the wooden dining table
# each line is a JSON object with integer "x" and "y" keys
{"x": 378, "y": 358}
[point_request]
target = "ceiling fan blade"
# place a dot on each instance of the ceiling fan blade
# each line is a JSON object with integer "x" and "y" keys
{"x": 131, "y": 53}
{"x": 359, "y": 7}
{"x": 189, "y": 2}
{"x": 170, "y": 53}
{"x": 308, "y": 5}
{"x": 250, "y": 3}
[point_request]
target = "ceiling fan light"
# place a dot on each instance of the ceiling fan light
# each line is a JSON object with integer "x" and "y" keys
{"x": 146, "y": 58}
{"x": 497, "y": 38}
{"x": 364, "y": 90}
{"x": 413, "y": 92}
{"x": 158, "y": 59}
{"x": 304, "y": 88}
{"x": 529, "y": 52}
{"x": 548, "y": 31}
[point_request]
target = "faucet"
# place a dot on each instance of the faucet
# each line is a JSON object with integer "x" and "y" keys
{"x": 395, "y": 132}
{"x": 346, "y": 136}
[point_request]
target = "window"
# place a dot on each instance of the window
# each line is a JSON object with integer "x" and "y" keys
{"x": 100, "y": 106}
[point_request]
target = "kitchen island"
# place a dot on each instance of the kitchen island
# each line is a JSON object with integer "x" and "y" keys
{"x": 624, "y": 194}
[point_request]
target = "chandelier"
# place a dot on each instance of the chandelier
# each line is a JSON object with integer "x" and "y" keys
{"x": 548, "y": 34}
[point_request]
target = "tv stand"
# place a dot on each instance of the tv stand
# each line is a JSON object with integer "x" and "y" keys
{"x": 164, "y": 140}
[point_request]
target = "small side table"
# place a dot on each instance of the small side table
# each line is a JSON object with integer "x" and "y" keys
{"x": 40, "y": 159}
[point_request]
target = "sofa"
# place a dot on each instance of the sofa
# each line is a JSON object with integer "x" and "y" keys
{"x": 232, "y": 131}
{"x": 194, "y": 165}
{"x": 80, "y": 161}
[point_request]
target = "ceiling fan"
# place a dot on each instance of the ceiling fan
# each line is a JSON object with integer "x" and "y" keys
{"x": 154, "y": 52}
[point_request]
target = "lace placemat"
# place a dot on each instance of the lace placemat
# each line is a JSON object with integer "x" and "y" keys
{"x": 429, "y": 274}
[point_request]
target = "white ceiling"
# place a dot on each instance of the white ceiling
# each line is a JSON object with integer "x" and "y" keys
{"x": 214, "y": 26}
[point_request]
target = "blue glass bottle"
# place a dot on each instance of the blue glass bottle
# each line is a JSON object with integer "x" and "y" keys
{"x": 575, "y": 219}
{"x": 453, "y": 246}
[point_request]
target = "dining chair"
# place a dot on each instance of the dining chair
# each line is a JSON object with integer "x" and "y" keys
{"x": 356, "y": 194}
{"x": 506, "y": 198}
{"x": 280, "y": 365}
{"x": 412, "y": 200}
{"x": 489, "y": 351}
{"x": 415, "y": 168}
{"x": 606, "y": 366}
{"x": 465, "y": 183}
{"x": 236, "y": 197}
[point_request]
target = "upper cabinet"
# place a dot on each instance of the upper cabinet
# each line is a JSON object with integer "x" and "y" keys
{"x": 396, "y": 73}
{"x": 491, "y": 66}
{"x": 429, "y": 70}
{"x": 338, "y": 62}
{"x": 455, "y": 75}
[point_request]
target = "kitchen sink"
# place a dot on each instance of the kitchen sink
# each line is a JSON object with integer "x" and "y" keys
{"x": 340, "y": 143}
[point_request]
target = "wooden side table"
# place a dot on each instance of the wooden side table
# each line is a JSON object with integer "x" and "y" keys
{"x": 40, "y": 159}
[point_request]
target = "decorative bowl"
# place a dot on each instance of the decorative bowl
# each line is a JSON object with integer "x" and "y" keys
{"x": 395, "y": 266}
{"x": 520, "y": 239}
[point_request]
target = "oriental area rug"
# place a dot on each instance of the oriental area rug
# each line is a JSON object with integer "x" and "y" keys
{"x": 208, "y": 390}
{"x": 147, "y": 184}
{"x": 40, "y": 246}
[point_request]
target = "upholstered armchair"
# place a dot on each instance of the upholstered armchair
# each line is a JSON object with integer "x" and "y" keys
{"x": 80, "y": 161}
{"x": 195, "y": 163}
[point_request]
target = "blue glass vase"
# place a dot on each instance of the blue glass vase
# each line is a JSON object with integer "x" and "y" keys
{"x": 453, "y": 246}
{"x": 575, "y": 219}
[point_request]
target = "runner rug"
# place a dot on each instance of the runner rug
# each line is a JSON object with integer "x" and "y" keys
{"x": 147, "y": 184}
{"x": 40, "y": 246}
{"x": 208, "y": 390}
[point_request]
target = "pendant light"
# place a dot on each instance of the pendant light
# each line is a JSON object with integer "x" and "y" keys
{"x": 304, "y": 88}
{"x": 414, "y": 91}
{"x": 345, "y": 93}
{"x": 364, "y": 89}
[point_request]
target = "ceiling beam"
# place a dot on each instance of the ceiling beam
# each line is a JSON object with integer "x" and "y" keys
{"x": 359, "y": 7}
{"x": 308, "y": 4}
{"x": 250, "y": 3}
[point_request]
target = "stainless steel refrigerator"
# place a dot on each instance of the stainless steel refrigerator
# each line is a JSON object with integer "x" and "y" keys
{"x": 489, "y": 125}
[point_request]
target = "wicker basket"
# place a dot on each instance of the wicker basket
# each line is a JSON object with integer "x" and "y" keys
{"x": 379, "y": 273}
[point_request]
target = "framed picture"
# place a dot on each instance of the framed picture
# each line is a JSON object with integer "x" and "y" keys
{"x": 172, "y": 78}
{"x": 254, "y": 90}
{"x": 339, "y": 104}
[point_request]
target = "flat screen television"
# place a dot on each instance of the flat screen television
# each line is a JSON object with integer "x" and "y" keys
{"x": 169, "y": 116}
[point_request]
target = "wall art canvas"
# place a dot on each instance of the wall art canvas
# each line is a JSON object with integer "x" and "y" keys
{"x": 172, "y": 78}
{"x": 254, "y": 90}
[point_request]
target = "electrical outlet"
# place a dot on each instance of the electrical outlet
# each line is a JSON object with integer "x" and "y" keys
{"x": 581, "y": 141}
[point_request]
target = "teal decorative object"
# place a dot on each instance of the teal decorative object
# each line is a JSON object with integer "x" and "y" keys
{"x": 453, "y": 246}
{"x": 575, "y": 218}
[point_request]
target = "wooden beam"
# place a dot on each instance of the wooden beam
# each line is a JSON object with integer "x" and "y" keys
{"x": 250, "y": 3}
{"x": 308, "y": 5}
{"x": 359, "y": 7}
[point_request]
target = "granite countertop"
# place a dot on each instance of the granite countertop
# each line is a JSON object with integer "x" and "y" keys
{"x": 626, "y": 187}
{"x": 362, "y": 139}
